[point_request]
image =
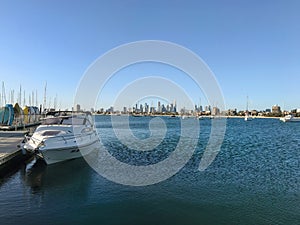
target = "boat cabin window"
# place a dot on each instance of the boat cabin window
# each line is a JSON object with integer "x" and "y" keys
{"x": 74, "y": 121}
{"x": 51, "y": 132}
{"x": 53, "y": 120}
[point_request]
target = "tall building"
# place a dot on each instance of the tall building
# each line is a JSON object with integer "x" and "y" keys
{"x": 78, "y": 108}
{"x": 141, "y": 108}
{"x": 171, "y": 107}
{"x": 168, "y": 108}
{"x": 215, "y": 111}
{"x": 207, "y": 108}
{"x": 147, "y": 109}
{"x": 163, "y": 108}
{"x": 125, "y": 109}
{"x": 158, "y": 107}
{"x": 276, "y": 109}
{"x": 200, "y": 108}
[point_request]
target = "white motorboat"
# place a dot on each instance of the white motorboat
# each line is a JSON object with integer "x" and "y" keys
{"x": 65, "y": 137}
{"x": 290, "y": 118}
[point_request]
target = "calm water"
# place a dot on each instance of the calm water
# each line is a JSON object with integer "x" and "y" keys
{"x": 255, "y": 179}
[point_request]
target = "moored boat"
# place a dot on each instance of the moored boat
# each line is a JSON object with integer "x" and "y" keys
{"x": 248, "y": 117}
{"x": 63, "y": 137}
{"x": 290, "y": 118}
{"x": 7, "y": 115}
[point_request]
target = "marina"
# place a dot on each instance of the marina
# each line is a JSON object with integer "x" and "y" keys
{"x": 149, "y": 112}
{"x": 254, "y": 180}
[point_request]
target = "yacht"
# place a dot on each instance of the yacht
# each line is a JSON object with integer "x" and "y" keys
{"x": 290, "y": 118}
{"x": 63, "y": 137}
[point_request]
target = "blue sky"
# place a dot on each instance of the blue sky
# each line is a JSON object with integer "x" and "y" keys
{"x": 252, "y": 47}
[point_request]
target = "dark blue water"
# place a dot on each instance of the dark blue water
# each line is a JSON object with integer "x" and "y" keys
{"x": 255, "y": 179}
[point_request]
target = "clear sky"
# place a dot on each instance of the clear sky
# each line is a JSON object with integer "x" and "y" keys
{"x": 253, "y": 47}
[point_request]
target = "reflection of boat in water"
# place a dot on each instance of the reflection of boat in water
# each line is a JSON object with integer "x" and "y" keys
{"x": 290, "y": 118}
{"x": 41, "y": 177}
{"x": 63, "y": 137}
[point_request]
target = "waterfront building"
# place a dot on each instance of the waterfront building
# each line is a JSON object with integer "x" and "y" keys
{"x": 276, "y": 109}
{"x": 110, "y": 110}
{"x": 141, "y": 108}
{"x": 125, "y": 110}
{"x": 78, "y": 108}
{"x": 171, "y": 107}
{"x": 232, "y": 112}
{"x": 254, "y": 112}
{"x": 168, "y": 108}
{"x": 146, "y": 108}
{"x": 215, "y": 111}
{"x": 163, "y": 108}
{"x": 152, "y": 109}
{"x": 159, "y": 109}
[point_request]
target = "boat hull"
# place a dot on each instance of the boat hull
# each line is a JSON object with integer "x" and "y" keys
{"x": 290, "y": 118}
{"x": 51, "y": 156}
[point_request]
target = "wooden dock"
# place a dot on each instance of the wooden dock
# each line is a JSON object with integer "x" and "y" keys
{"x": 18, "y": 127}
{"x": 11, "y": 155}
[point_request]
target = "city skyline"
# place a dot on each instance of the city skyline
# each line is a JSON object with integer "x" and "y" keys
{"x": 251, "y": 47}
{"x": 31, "y": 100}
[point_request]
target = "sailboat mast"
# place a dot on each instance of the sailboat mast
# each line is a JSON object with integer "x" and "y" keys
{"x": 20, "y": 95}
{"x": 24, "y": 99}
{"x": 45, "y": 96}
{"x": 36, "y": 98}
{"x": 3, "y": 93}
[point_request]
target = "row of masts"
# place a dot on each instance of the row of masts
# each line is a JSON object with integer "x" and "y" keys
{"x": 31, "y": 99}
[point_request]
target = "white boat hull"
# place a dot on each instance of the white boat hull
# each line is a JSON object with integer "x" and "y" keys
{"x": 248, "y": 118}
{"x": 290, "y": 118}
{"x": 67, "y": 138}
{"x": 52, "y": 156}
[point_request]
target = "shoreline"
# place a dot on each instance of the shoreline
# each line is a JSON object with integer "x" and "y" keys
{"x": 187, "y": 116}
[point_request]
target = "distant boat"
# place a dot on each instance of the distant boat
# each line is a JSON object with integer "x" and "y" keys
{"x": 137, "y": 115}
{"x": 290, "y": 118}
{"x": 248, "y": 117}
